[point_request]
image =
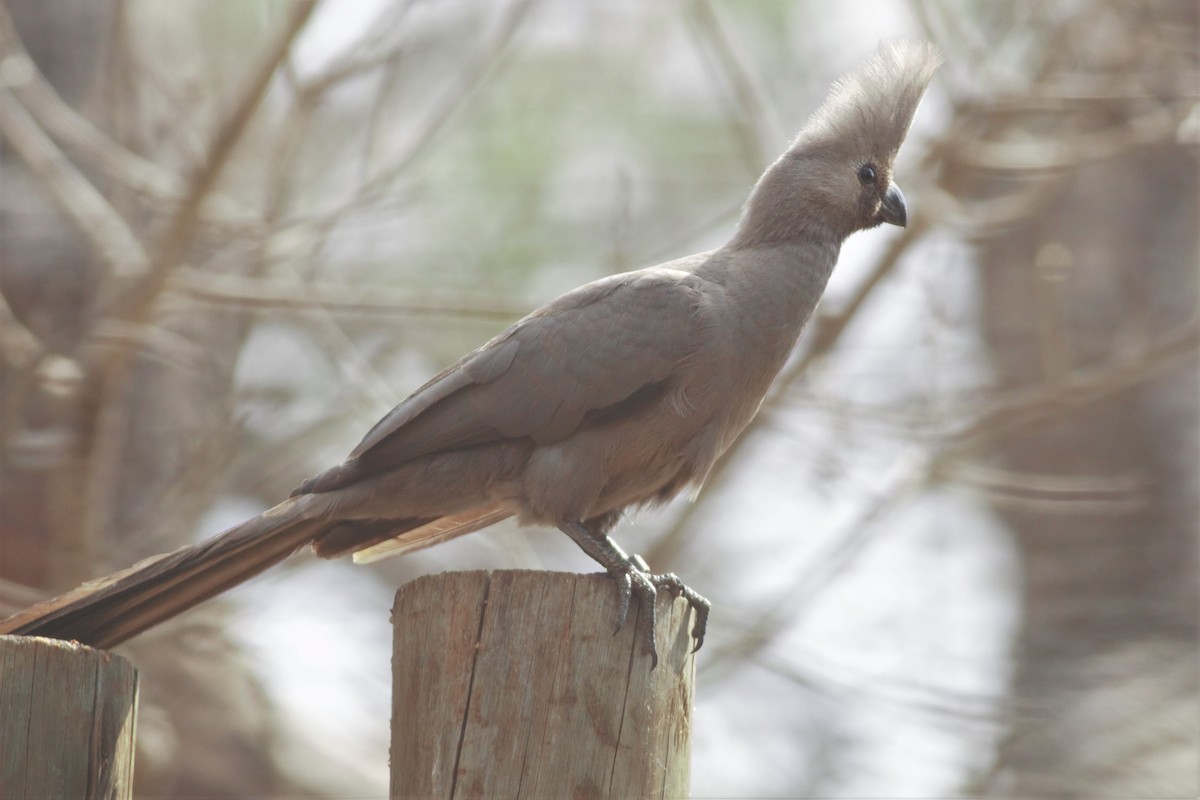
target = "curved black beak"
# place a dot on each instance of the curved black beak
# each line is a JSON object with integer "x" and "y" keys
{"x": 892, "y": 209}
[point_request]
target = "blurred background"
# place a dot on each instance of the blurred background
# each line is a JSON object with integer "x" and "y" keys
{"x": 954, "y": 556}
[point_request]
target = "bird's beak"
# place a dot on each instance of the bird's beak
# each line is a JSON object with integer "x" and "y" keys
{"x": 892, "y": 209}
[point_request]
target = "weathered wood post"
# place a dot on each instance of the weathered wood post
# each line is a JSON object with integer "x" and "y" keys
{"x": 67, "y": 720}
{"x": 512, "y": 685}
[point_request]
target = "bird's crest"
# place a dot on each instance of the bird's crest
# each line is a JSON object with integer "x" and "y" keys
{"x": 873, "y": 106}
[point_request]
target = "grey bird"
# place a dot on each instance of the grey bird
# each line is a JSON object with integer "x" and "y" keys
{"x": 618, "y": 394}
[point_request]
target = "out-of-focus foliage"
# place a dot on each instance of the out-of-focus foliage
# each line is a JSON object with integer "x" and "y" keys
{"x": 954, "y": 555}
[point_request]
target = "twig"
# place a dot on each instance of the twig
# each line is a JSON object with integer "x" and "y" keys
{"x": 76, "y": 132}
{"x": 98, "y": 221}
{"x": 1045, "y": 155}
{"x": 368, "y": 53}
{"x": 750, "y": 118}
{"x": 914, "y": 470}
{"x": 108, "y": 399}
{"x": 279, "y": 295}
{"x": 828, "y": 328}
{"x": 1079, "y": 388}
{"x": 136, "y": 306}
{"x": 469, "y": 81}
{"x": 909, "y": 472}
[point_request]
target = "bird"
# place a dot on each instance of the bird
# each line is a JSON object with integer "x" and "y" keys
{"x": 618, "y": 394}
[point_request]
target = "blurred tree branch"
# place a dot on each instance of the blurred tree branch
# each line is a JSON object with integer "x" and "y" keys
{"x": 76, "y": 196}
{"x": 750, "y": 118}
{"x": 921, "y": 467}
{"x": 135, "y": 306}
{"x": 25, "y": 82}
{"x": 1034, "y": 404}
{"x": 168, "y": 404}
{"x": 237, "y": 291}
{"x": 482, "y": 63}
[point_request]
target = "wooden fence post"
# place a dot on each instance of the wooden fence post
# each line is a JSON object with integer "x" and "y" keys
{"x": 67, "y": 721}
{"x": 512, "y": 685}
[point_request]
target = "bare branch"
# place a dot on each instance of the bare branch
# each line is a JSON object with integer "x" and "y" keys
{"x": 917, "y": 469}
{"x": 26, "y": 82}
{"x": 286, "y": 296}
{"x": 98, "y": 221}
{"x": 1082, "y": 492}
{"x": 749, "y": 120}
{"x": 910, "y": 472}
{"x": 175, "y": 242}
{"x": 469, "y": 81}
{"x": 20, "y": 349}
{"x": 135, "y": 307}
{"x": 1079, "y": 388}
{"x": 370, "y": 52}
{"x": 1064, "y": 152}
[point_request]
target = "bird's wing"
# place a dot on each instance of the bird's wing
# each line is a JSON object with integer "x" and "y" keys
{"x": 586, "y": 352}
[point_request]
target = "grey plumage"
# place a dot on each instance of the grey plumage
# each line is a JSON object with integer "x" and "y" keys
{"x": 619, "y": 393}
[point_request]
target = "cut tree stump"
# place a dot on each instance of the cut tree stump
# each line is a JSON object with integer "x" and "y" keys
{"x": 67, "y": 721}
{"x": 512, "y": 685}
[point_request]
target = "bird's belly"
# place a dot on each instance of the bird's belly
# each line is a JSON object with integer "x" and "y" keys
{"x": 606, "y": 469}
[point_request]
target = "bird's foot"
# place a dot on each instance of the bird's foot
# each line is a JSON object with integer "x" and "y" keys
{"x": 634, "y": 577}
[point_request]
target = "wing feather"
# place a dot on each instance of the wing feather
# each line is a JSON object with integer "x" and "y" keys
{"x": 589, "y": 350}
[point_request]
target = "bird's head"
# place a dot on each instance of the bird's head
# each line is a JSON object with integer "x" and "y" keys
{"x": 836, "y": 178}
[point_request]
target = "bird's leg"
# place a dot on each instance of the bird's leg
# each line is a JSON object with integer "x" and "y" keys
{"x": 633, "y": 576}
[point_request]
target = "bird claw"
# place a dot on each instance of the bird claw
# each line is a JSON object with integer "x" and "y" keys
{"x": 624, "y": 592}
{"x": 633, "y": 577}
{"x": 696, "y": 601}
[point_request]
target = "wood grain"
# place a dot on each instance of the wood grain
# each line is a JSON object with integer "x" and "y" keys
{"x": 67, "y": 720}
{"x": 513, "y": 685}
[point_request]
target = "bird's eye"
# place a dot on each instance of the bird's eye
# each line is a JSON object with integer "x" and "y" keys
{"x": 866, "y": 173}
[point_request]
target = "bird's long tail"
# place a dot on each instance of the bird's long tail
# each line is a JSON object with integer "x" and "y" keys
{"x": 105, "y": 612}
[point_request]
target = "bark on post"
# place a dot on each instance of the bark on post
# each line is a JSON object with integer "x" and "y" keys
{"x": 511, "y": 684}
{"x": 67, "y": 721}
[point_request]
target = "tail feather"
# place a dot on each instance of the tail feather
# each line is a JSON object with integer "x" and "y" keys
{"x": 106, "y": 612}
{"x": 432, "y": 532}
{"x": 350, "y": 536}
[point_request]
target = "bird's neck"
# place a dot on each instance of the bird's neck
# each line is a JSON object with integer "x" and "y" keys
{"x": 786, "y": 209}
{"x": 762, "y": 228}
{"x": 773, "y": 289}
